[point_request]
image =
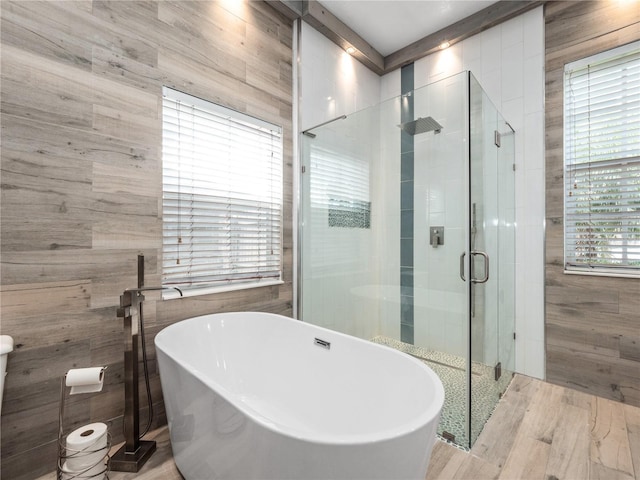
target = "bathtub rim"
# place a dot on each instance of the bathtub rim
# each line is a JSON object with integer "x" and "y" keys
{"x": 430, "y": 414}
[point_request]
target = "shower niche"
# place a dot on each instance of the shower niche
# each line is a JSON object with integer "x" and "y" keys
{"x": 407, "y": 232}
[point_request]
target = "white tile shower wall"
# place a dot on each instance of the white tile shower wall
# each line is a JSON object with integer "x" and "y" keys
{"x": 333, "y": 83}
{"x": 508, "y": 62}
{"x": 390, "y": 85}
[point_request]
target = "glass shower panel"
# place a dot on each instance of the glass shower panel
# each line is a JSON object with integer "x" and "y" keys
{"x": 440, "y": 230}
{"x": 350, "y": 223}
{"x": 340, "y": 165}
{"x": 506, "y": 252}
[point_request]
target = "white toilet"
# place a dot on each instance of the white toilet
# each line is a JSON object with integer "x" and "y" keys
{"x": 6, "y": 346}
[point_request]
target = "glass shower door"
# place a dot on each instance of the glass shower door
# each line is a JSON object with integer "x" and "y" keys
{"x": 491, "y": 248}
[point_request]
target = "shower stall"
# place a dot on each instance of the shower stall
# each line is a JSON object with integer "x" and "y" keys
{"x": 407, "y": 231}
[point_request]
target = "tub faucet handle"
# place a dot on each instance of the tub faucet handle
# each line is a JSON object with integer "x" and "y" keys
{"x": 138, "y": 291}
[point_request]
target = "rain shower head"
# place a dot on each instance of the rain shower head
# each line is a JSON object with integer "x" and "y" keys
{"x": 421, "y": 125}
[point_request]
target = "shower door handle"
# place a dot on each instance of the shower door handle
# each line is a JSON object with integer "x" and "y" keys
{"x": 462, "y": 255}
{"x": 486, "y": 267}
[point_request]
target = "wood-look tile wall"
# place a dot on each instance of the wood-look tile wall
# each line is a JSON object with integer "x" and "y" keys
{"x": 81, "y": 186}
{"x": 592, "y": 323}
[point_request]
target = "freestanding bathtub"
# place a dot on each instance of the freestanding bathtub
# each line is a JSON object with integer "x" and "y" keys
{"x": 261, "y": 396}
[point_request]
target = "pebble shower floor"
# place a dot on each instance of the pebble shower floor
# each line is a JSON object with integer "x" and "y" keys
{"x": 452, "y": 372}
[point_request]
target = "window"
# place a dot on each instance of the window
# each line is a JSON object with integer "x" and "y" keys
{"x": 340, "y": 203}
{"x": 222, "y": 196}
{"x": 602, "y": 162}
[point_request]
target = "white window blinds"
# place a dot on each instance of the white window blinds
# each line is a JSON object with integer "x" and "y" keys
{"x": 602, "y": 162}
{"x": 222, "y": 195}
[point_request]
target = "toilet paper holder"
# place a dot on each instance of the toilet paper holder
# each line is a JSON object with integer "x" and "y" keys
{"x": 65, "y": 452}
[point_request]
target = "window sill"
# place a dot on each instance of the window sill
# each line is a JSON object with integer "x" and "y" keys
{"x": 195, "y": 292}
{"x": 626, "y": 274}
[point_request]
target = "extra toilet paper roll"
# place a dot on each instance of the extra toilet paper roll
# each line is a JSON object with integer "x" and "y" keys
{"x": 96, "y": 473}
{"x": 86, "y": 447}
{"x": 85, "y": 380}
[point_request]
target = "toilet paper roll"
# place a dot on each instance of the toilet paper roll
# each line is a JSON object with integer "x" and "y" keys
{"x": 86, "y": 447}
{"x": 97, "y": 472}
{"x": 85, "y": 380}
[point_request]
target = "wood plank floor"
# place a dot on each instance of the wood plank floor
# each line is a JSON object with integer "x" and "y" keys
{"x": 539, "y": 431}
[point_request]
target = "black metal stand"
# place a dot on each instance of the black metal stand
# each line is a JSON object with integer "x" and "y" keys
{"x": 135, "y": 452}
{"x": 124, "y": 461}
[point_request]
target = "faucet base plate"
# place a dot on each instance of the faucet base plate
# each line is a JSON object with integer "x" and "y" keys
{"x": 123, "y": 461}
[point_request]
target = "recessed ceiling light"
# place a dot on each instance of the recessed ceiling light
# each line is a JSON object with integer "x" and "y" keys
{"x": 444, "y": 45}
{"x": 351, "y": 50}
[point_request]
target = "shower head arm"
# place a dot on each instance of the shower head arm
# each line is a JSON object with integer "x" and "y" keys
{"x": 308, "y": 133}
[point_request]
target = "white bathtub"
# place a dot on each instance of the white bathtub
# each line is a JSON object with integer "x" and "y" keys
{"x": 252, "y": 396}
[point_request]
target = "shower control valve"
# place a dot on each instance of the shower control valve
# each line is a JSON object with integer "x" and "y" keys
{"x": 436, "y": 236}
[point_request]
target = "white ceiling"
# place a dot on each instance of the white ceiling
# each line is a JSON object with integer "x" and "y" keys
{"x": 389, "y": 25}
